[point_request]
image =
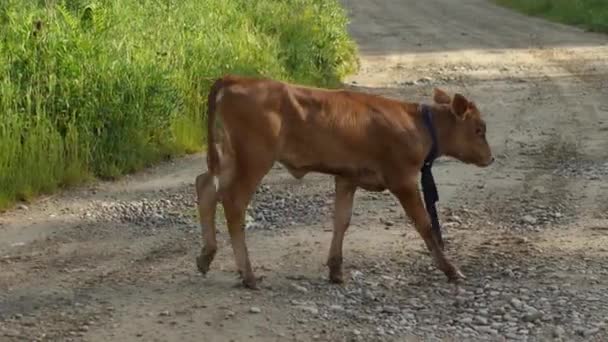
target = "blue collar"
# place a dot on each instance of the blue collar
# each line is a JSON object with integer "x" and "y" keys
{"x": 429, "y": 188}
{"x": 427, "y": 116}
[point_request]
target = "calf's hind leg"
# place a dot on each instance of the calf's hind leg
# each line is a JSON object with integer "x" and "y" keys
{"x": 207, "y": 203}
{"x": 248, "y": 175}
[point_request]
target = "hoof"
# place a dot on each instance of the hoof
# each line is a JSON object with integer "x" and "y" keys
{"x": 202, "y": 263}
{"x": 336, "y": 278}
{"x": 204, "y": 259}
{"x": 251, "y": 283}
{"x": 335, "y": 270}
{"x": 455, "y": 276}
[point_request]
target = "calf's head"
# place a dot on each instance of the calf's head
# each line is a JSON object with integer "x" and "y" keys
{"x": 464, "y": 131}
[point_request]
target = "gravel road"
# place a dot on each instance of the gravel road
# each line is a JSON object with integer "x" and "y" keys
{"x": 115, "y": 260}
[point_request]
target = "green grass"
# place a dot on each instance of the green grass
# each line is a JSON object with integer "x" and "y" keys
{"x": 589, "y": 14}
{"x": 99, "y": 88}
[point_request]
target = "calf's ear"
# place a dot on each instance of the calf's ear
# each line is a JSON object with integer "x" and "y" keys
{"x": 441, "y": 97}
{"x": 460, "y": 105}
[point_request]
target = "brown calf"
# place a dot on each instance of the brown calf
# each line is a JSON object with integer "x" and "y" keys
{"x": 363, "y": 140}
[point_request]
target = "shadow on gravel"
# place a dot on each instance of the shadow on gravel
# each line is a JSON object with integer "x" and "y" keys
{"x": 420, "y": 90}
{"x": 513, "y": 287}
{"x": 383, "y": 27}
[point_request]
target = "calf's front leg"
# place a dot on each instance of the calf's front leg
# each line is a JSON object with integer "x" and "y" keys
{"x": 411, "y": 201}
{"x": 343, "y": 207}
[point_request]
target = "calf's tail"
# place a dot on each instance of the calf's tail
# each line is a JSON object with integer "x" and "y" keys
{"x": 213, "y": 160}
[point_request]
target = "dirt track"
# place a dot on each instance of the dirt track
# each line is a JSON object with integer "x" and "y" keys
{"x": 115, "y": 261}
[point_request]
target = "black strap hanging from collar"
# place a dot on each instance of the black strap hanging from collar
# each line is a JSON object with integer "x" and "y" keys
{"x": 429, "y": 187}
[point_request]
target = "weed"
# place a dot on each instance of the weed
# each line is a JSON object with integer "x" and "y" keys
{"x": 590, "y": 14}
{"x": 99, "y": 88}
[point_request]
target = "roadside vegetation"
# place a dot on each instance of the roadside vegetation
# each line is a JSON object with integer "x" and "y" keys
{"x": 589, "y": 14}
{"x": 99, "y": 88}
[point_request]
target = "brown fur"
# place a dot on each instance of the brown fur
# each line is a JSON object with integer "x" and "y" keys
{"x": 364, "y": 141}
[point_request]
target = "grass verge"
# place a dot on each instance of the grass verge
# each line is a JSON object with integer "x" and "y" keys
{"x": 99, "y": 88}
{"x": 589, "y": 14}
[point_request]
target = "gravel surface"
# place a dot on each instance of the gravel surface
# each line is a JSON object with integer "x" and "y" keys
{"x": 145, "y": 212}
{"x": 497, "y": 305}
{"x": 282, "y": 208}
{"x": 277, "y": 209}
{"x": 587, "y": 169}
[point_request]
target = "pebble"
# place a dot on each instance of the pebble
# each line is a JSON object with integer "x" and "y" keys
{"x": 313, "y": 310}
{"x": 466, "y": 320}
{"x": 469, "y": 330}
{"x": 391, "y": 309}
{"x": 529, "y": 219}
{"x": 11, "y": 333}
{"x": 299, "y": 288}
{"x": 28, "y": 323}
{"x": 579, "y": 331}
{"x": 460, "y": 300}
{"x": 336, "y": 307}
{"x": 532, "y": 316}
{"x": 558, "y": 331}
{"x": 590, "y": 332}
{"x": 496, "y": 325}
{"x": 516, "y": 303}
{"x": 425, "y": 80}
{"x": 255, "y": 309}
{"x": 480, "y": 320}
{"x": 486, "y": 330}
{"x": 369, "y": 295}
{"x": 387, "y": 223}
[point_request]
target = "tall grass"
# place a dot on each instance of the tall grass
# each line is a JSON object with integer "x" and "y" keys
{"x": 98, "y": 88}
{"x": 590, "y": 14}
